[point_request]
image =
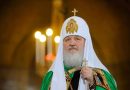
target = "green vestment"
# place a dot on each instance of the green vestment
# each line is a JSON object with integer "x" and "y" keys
{"x": 104, "y": 80}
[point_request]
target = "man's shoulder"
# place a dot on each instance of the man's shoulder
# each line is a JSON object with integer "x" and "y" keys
{"x": 49, "y": 73}
{"x": 104, "y": 80}
{"x": 46, "y": 80}
{"x": 48, "y": 76}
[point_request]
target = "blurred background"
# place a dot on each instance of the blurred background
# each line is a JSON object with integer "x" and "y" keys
{"x": 24, "y": 59}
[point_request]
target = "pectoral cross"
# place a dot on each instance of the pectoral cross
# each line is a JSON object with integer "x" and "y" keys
{"x": 84, "y": 63}
{"x": 74, "y": 11}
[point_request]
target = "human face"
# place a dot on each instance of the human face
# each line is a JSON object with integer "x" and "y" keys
{"x": 73, "y": 50}
{"x": 73, "y": 43}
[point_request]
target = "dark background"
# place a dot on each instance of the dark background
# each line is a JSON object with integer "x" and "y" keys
{"x": 109, "y": 23}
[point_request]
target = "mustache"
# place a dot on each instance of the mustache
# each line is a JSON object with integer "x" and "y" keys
{"x": 72, "y": 47}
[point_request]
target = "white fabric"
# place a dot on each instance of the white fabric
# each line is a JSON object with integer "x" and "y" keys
{"x": 58, "y": 80}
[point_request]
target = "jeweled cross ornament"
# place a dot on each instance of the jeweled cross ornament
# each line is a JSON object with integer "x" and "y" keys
{"x": 74, "y": 11}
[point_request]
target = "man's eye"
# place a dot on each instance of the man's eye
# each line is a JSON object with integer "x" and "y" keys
{"x": 77, "y": 38}
{"x": 67, "y": 39}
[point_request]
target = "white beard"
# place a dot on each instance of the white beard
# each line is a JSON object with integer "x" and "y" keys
{"x": 73, "y": 60}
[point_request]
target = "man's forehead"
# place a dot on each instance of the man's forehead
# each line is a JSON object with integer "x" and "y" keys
{"x": 71, "y": 36}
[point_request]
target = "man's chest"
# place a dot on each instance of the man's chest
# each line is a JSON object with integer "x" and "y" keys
{"x": 72, "y": 81}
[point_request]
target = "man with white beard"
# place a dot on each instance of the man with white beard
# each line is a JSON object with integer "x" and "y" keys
{"x": 73, "y": 49}
{"x": 77, "y": 66}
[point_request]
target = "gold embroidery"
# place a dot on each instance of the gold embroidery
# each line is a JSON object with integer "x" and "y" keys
{"x": 68, "y": 80}
{"x": 103, "y": 82}
{"x": 71, "y": 26}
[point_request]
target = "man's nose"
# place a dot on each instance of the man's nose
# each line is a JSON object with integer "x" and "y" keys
{"x": 72, "y": 42}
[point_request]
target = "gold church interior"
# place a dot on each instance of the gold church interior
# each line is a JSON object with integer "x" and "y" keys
{"x": 108, "y": 21}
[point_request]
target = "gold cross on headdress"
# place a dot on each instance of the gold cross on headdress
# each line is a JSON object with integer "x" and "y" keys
{"x": 74, "y": 11}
